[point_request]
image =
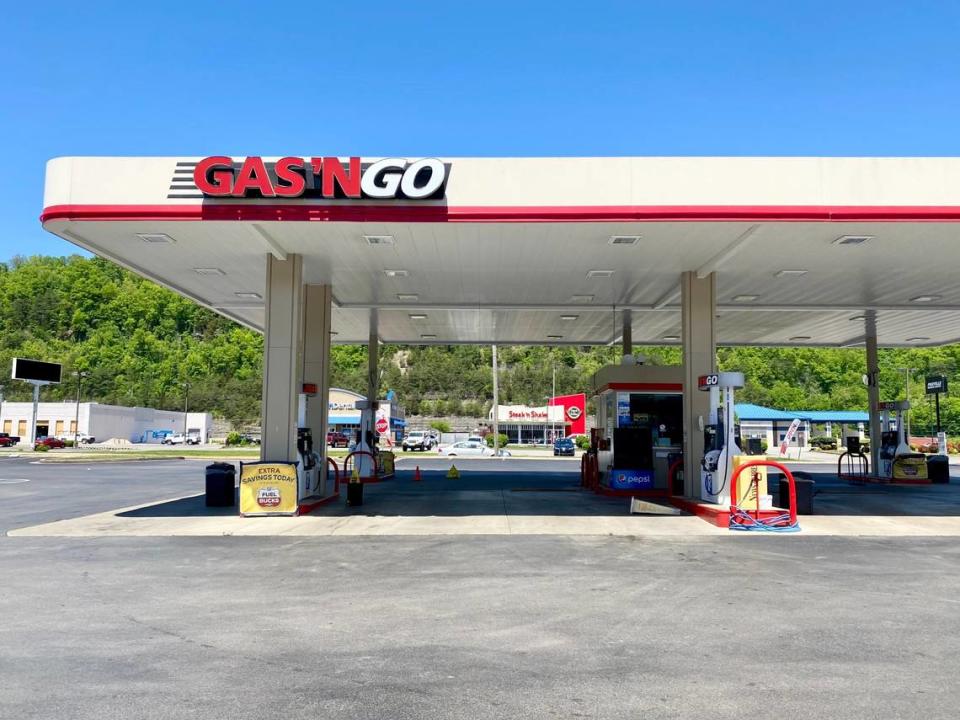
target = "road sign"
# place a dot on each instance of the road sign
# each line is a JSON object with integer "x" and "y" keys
{"x": 383, "y": 427}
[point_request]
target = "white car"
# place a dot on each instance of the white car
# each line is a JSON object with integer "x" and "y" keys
{"x": 181, "y": 439}
{"x": 417, "y": 440}
{"x": 469, "y": 448}
{"x": 82, "y": 438}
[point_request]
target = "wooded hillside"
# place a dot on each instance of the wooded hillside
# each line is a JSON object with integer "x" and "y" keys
{"x": 144, "y": 345}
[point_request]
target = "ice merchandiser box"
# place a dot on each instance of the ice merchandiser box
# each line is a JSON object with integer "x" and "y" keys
{"x": 639, "y": 414}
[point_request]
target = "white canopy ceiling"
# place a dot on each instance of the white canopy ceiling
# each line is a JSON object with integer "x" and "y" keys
{"x": 780, "y": 281}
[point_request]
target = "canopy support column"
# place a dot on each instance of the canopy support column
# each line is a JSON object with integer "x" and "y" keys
{"x": 627, "y": 319}
{"x": 873, "y": 387}
{"x": 282, "y": 358}
{"x": 316, "y": 360}
{"x": 698, "y": 298}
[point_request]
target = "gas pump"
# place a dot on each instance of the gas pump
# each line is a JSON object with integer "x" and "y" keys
{"x": 366, "y": 443}
{"x": 719, "y": 436}
{"x": 309, "y": 477}
{"x": 897, "y": 460}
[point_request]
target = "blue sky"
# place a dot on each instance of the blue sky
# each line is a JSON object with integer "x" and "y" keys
{"x": 491, "y": 78}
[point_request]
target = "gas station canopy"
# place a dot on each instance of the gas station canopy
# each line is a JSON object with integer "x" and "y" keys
{"x": 541, "y": 250}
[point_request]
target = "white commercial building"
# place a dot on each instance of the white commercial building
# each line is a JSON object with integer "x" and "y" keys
{"x": 102, "y": 422}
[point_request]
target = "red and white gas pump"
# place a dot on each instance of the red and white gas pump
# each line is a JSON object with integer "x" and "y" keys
{"x": 720, "y": 439}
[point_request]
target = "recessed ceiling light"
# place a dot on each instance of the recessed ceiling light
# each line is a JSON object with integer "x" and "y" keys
{"x": 569, "y": 317}
{"x": 554, "y": 337}
{"x": 599, "y": 273}
{"x": 745, "y": 298}
{"x": 917, "y": 339}
{"x": 670, "y": 337}
{"x": 379, "y": 239}
{"x": 624, "y": 239}
{"x": 418, "y": 316}
{"x": 428, "y": 337}
{"x": 396, "y": 273}
{"x": 859, "y": 317}
{"x": 156, "y": 238}
{"x": 334, "y": 332}
{"x": 925, "y": 298}
{"x": 853, "y": 239}
{"x": 582, "y": 298}
{"x": 798, "y": 338}
{"x": 249, "y": 295}
{"x": 855, "y": 343}
{"x": 209, "y": 271}
{"x": 791, "y": 273}
{"x": 407, "y": 297}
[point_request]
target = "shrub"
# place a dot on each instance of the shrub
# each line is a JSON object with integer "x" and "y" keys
{"x": 68, "y": 443}
{"x": 42, "y": 448}
{"x": 503, "y": 440}
{"x": 441, "y": 426}
{"x": 582, "y": 442}
{"x": 234, "y": 438}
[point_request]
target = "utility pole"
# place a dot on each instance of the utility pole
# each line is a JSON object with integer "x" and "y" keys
{"x": 186, "y": 397}
{"x": 76, "y": 420}
{"x": 906, "y": 414}
{"x": 496, "y": 406}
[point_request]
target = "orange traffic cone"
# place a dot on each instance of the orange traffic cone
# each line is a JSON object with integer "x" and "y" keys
{"x": 416, "y": 474}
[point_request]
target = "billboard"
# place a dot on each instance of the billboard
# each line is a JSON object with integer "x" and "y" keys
{"x": 35, "y": 371}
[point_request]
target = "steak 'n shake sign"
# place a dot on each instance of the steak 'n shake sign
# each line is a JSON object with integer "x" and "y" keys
{"x": 321, "y": 177}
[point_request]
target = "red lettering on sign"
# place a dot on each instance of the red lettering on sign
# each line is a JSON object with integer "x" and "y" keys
{"x": 333, "y": 170}
{"x": 253, "y": 176}
{"x": 214, "y": 175}
{"x": 293, "y": 182}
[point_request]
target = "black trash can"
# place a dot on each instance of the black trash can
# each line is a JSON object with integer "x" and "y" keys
{"x": 805, "y": 489}
{"x": 754, "y": 446}
{"x": 354, "y": 494}
{"x": 938, "y": 468}
{"x": 220, "y": 485}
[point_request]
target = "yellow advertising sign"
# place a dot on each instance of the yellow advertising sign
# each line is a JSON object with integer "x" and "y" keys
{"x": 268, "y": 489}
{"x": 752, "y": 482}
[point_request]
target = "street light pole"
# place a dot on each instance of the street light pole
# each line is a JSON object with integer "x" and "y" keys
{"x": 496, "y": 407}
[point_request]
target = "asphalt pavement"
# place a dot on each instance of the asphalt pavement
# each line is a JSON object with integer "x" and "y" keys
{"x": 455, "y": 627}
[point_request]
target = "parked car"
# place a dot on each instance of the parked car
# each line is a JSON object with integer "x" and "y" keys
{"x": 925, "y": 444}
{"x": 417, "y": 440}
{"x": 82, "y": 438}
{"x": 336, "y": 439}
{"x": 564, "y": 446}
{"x": 181, "y": 439}
{"x": 469, "y": 448}
{"x": 50, "y": 442}
{"x": 8, "y": 440}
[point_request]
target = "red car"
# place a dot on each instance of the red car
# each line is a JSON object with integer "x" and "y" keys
{"x": 8, "y": 440}
{"x": 51, "y": 442}
{"x": 337, "y": 439}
